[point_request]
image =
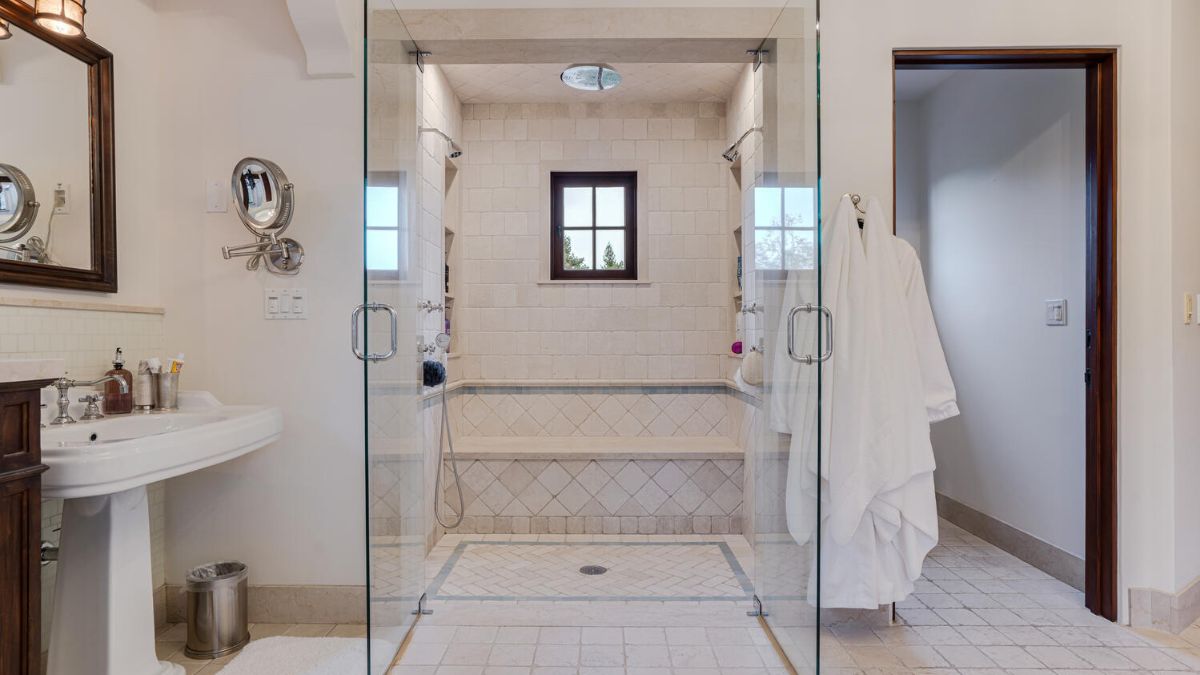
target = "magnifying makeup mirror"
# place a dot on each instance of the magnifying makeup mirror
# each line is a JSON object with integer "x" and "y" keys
{"x": 442, "y": 340}
{"x": 265, "y": 200}
{"x": 18, "y": 203}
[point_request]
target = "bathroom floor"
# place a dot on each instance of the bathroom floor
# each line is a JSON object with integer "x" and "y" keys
{"x": 503, "y": 605}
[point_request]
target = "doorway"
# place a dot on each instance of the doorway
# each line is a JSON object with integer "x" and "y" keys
{"x": 1091, "y": 74}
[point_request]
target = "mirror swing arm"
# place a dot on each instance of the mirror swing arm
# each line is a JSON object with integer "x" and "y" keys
{"x": 265, "y": 201}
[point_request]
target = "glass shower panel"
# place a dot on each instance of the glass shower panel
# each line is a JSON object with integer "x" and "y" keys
{"x": 781, "y": 199}
{"x": 395, "y": 467}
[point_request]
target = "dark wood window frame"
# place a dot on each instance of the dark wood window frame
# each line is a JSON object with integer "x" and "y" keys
{"x": 1100, "y": 67}
{"x": 565, "y": 179}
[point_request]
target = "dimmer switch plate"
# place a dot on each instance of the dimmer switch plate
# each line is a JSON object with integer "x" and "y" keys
{"x": 1056, "y": 312}
{"x": 285, "y": 303}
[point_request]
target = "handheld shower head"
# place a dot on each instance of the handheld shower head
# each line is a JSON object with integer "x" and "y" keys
{"x": 453, "y": 150}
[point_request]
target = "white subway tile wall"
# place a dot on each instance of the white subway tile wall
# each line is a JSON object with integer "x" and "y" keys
{"x": 677, "y": 325}
{"x": 85, "y": 340}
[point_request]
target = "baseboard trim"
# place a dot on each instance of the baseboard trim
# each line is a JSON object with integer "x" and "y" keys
{"x": 288, "y": 604}
{"x": 1171, "y": 612}
{"x": 1052, "y": 560}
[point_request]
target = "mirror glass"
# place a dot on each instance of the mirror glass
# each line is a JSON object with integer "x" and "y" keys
{"x": 263, "y": 196}
{"x": 45, "y": 135}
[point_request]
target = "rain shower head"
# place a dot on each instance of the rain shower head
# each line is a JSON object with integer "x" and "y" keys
{"x": 453, "y": 151}
{"x": 735, "y": 150}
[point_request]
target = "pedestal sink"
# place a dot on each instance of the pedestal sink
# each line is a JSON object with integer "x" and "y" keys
{"x": 103, "y": 601}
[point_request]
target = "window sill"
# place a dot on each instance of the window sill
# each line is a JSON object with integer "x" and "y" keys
{"x": 593, "y": 282}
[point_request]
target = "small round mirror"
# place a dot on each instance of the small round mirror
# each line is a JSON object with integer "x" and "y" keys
{"x": 263, "y": 196}
{"x": 18, "y": 203}
{"x": 442, "y": 341}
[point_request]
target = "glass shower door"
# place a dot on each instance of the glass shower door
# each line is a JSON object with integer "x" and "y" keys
{"x": 789, "y": 325}
{"x": 388, "y": 320}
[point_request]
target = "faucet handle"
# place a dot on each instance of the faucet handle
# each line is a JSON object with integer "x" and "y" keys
{"x": 92, "y": 411}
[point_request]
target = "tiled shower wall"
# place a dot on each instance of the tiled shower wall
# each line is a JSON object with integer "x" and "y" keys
{"x": 85, "y": 340}
{"x": 642, "y": 495}
{"x": 514, "y": 325}
{"x": 596, "y": 411}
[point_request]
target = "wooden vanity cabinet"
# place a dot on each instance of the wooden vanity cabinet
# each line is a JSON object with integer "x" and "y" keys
{"x": 20, "y": 527}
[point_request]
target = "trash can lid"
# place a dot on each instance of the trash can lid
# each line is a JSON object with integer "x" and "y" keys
{"x": 216, "y": 571}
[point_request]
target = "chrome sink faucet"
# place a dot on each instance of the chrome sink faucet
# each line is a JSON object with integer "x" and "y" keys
{"x": 63, "y": 385}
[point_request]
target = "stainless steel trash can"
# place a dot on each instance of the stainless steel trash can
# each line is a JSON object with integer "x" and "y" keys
{"x": 216, "y": 610}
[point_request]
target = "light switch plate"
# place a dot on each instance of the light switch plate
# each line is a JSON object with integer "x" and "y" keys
{"x": 216, "y": 198}
{"x": 285, "y": 303}
{"x": 1056, "y": 312}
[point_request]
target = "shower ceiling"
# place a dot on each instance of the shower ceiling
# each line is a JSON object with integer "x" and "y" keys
{"x": 641, "y": 83}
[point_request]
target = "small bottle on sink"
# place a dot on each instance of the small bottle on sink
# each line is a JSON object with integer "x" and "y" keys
{"x": 116, "y": 403}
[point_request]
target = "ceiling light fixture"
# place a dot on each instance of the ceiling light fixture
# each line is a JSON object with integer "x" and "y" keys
{"x": 591, "y": 77}
{"x": 64, "y": 17}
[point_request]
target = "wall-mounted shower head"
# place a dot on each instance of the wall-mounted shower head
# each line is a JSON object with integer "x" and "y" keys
{"x": 734, "y": 150}
{"x": 453, "y": 150}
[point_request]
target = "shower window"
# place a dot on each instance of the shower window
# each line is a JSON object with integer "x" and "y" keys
{"x": 593, "y": 225}
{"x": 386, "y": 213}
{"x": 784, "y": 228}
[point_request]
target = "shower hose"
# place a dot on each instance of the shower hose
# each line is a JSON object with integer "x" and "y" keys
{"x": 444, "y": 435}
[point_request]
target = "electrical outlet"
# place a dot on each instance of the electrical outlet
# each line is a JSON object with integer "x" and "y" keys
{"x": 216, "y": 196}
{"x": 62, "y": 199}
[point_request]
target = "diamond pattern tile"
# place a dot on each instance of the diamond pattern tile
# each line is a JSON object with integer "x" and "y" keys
{"x": 627, "y": 415}
{"x": 644, "y": 495}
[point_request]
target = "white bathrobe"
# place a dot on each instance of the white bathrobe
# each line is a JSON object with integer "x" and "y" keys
{"x": 886, "y": 381}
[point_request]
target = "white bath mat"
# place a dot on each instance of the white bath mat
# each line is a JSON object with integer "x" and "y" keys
{"x": 308, "y": 656}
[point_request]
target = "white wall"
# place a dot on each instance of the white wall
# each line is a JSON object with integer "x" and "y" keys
{"x": 1185, "y": 246}
{"x": 857, "y": 40}
{"x": 995, "y": 186}
{"x": 236, "y": 86}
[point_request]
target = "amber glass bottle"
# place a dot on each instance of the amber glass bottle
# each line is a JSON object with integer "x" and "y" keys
{"x": 116, "y": 403}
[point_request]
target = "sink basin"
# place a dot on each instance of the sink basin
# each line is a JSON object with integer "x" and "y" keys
{"x": 120, "y": 452}
{"x": 103, "y": 601}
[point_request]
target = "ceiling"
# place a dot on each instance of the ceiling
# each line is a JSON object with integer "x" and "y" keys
{"x": 641, "y": 83}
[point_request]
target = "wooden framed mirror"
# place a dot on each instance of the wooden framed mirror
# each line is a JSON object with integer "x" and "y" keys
{"x": 57, "y": 130}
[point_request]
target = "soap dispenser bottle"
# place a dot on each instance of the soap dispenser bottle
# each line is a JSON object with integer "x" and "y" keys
{"x": 116, "y": 403}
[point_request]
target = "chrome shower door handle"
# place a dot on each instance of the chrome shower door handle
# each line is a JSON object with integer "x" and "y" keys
{"x": 395, "y": 338}
{"x": 827, "y": 351}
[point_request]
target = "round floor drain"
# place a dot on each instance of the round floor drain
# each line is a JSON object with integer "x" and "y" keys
{"x": 592, "y": 570}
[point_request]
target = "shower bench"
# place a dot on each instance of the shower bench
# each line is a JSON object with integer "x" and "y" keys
{"x": 599, "y": 485}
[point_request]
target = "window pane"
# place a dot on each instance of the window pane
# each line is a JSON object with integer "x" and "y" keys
{"x": 383, "y": 207}
{"x": 799, "y": 209}
{"x": 577, "y": 250}
{"x": 799, "y": 250}
{"x": 768, "y": 249}
{"x": 383, "y": 250}
{"x": 768, "y": 207}
{"x": 577, "y": 207}
{"x": 610, "y": 244}
{"x": 610, "y": 207}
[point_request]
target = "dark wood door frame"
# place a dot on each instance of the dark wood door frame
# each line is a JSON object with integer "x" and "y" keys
{"x": 1100, "y": 66}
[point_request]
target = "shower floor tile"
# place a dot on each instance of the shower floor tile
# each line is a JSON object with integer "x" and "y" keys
{"x": 550, "y": 570}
